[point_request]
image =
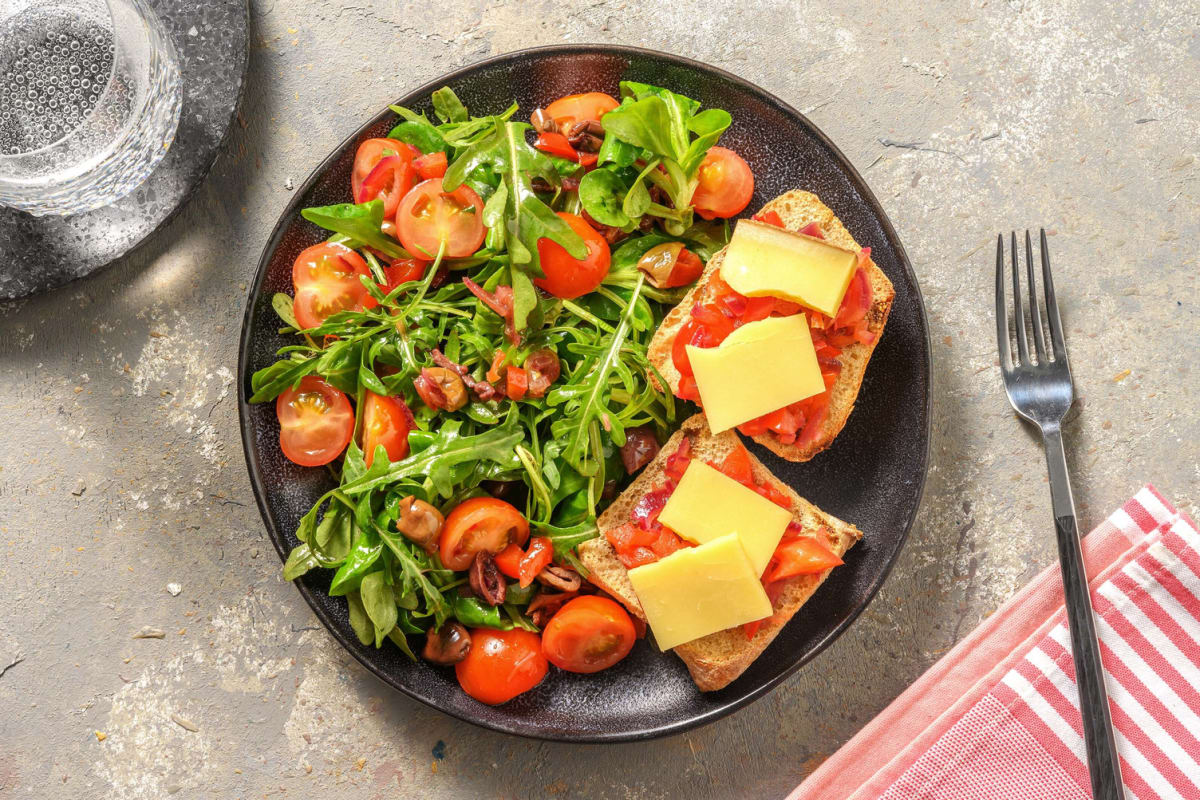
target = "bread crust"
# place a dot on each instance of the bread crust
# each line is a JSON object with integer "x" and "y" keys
{"x": 796, "y": 208}
{"x": 714, "y": 661}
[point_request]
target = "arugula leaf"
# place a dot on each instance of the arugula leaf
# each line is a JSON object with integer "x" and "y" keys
{"x": 525, "y": 218}
{"x": 284, "y": 309}
{"x": 361, "y": 222}
{"x": 587, "y": 400}
{"x": 436, "y": 461}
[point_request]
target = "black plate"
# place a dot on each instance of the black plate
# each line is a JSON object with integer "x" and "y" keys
{"x": 872, "y": 476}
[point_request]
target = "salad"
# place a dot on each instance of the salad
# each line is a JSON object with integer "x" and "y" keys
{"x": 469, "y": 363}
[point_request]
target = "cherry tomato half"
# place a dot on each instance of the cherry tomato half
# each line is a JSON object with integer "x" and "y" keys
{"x": 566, "y": 111}
{"x": 501, "y": 665}
{"x": 726, "y": 184}
{"x": 389, "y": 181}
{"x": 315, "y": 422}
{"x": 568, "y": 277}
{"x": 326, "y": 278}
{"x": 481, "y": 523}
{"x": 386, "y": 421}
{"x": 370, "y": 153}
{"x": 427, "y": 216}
{"x": 588, "y": 634}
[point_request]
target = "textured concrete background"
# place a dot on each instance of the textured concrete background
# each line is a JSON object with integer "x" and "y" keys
{"x": 121, "y": 472}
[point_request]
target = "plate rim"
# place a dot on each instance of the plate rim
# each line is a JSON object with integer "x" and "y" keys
{"x": 716, "y": 712}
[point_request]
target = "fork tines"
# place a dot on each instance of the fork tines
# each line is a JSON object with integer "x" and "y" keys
{"x": 1058, "y": 348}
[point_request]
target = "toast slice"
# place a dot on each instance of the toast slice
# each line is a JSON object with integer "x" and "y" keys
{"x": 796, "y": 208}
{"x": 717, "y": 659}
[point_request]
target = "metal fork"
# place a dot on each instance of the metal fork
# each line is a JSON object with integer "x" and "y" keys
{"x": 1041, "y": 391}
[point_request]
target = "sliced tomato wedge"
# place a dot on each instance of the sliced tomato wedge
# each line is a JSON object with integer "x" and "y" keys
{"x": 386, "y": 421}
{"x": 508, "y": 561}
{"x": 481, "y": 523}
{"x": 390, "y": 180}
{"x": 403, "y": 270}
{"x": 370, "y": 153}
{"x": 535, "y": 559}
{"x": 315, "y": 422}
{"x": 429, "y": 216}
{"x": 516, "y": 383}
{"x": 566, "y": 111}
{"x": 431, "y": 165}
{"x": 726, "y": 184}
{"x": 803, "y": 555}
{"x": 326, "y": 280}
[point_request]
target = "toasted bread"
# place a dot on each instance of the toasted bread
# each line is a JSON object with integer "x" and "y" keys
{"x": 796, "y": 209}
{"x": 717, "y": 659}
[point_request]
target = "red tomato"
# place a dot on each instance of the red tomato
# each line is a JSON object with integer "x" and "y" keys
{"x": 556, "y": 145}
{"x": 516, "y": 383}
{"x": 370, "y": 153}
{"x": 803, "y": 555}
{"x": 726, "y": 184}
{"x": 501, "y": 665}
{"x": 737, "y": 466}
{"x": 544, "y": 368}
{"x": 481, "y": 523}
{"x": 386, "y": 421}
{"x": 508, "y": 561}
{"x": 432, "y": 165}
{"x": 588, "y": 634}
{"x": 536, "y": 558}
{"x": 390, "y": 180}
{"x": 687, "y": 269}
{"x": 403, "y": 270}
{"x": 567, "y": 277}
{"x": 427, "y": 216}
{"x": 566, "y": 111}
{"x": 315, "y": 422}
{"x": 326, "y": 278}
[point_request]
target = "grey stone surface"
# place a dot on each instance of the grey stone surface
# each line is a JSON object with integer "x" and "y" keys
{"x": 121, "y": 471}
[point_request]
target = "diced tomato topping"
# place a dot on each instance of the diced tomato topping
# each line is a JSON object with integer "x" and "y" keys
{"x": 802, "y": 555}
{"x": 737, "y": 466}
{"x": 720, "y": 310}
{"x": 769, "y": 217}
{"x": 649, "y": 506}
{"x": 677, "y": 462}
{"x": 536, "y": 558}
{"x": 493, "y": 373}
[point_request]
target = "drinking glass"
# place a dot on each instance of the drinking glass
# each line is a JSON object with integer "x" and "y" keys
{"x": 89, "y": 101}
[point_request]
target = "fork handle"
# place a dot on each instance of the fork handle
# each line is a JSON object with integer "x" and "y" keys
{"x": 1098, "y": 736}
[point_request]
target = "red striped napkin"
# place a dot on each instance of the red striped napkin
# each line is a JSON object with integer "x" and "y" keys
{"x": 998, "y": 718}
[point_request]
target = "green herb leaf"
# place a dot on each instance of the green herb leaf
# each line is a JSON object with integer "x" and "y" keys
{"x": 601, "y": 192}
{"x": 361, "y": 222}
{"x": 364, "y": 629}
{"x": 379, "y": 603}
{"x": 448, "y": 107}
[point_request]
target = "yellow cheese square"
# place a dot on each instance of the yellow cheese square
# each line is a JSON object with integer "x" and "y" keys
{"x": 700, "y": 590}
{"x": 759, "y": 368}
{"x": 768, "y": 260}
{"x": 707, "y": 504}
